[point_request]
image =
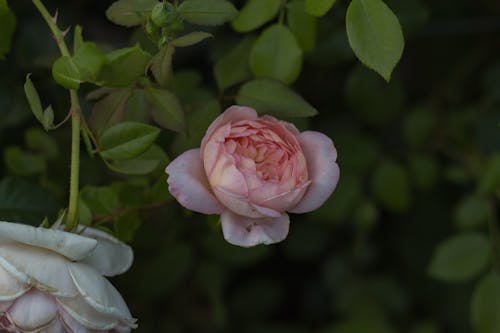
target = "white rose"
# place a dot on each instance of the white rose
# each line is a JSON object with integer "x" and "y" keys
{"x": 51, "y": 281}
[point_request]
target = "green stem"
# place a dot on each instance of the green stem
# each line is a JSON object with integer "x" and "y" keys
{"x": 71, "y": 220}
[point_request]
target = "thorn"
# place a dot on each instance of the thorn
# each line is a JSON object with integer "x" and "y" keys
{"x": 54, "y": 18}
{"x": 65, "y": 32}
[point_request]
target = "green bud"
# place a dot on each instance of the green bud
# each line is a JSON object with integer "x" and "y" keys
{"x": 160, "y": 15}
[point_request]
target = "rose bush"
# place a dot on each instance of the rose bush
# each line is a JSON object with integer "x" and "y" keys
{"x": 51, "y": 281}
{"x": 253, "y": 170}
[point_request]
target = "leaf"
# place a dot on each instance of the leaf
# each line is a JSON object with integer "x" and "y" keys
{"x": 273, "y": 97}
{"x": 25, "y": 202}
{"x": 161, "y": 65}
{"x": 7, "y": 28}
{"x": 23, "y": 163}
{"x": 127, "y": 140}
{"x": 318, "y": 7}
{"x": 100, "y": 200}
{"x": 207, "y": 12}
{"x": 124, "y": 66}
{"x": 276, "y": 54}
{"x": 46, "y": 118}
{"x": 485, "y": 305}
{"x": 126, "y": 226}
{"x": 489, "y": 180}
{"x": 233, "y": 67}
{"x": 424, "y": 170}
{"x": 375, "y": 35}
{"x": 255, "y": 13}
{"x": 391, "y": 186}
{"x": 130, "y": 12}
{"x": 460, "y": 257}
{"x": 109, "y": 110}
{"x": 77, "y": 38}
{"x": 190, "y": 38}
{"x": 88, "y": 61}
{"x": 142, "y": 164}
{"x": 302, "y": 25}
{"x": 166, "y": 111}
{"x": 472, "y": 212}
{"x": 66, "y": 73}
{"x": 41, "y": 142}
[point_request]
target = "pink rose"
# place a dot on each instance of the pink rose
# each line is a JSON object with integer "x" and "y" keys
{"x": 252, "y": 170}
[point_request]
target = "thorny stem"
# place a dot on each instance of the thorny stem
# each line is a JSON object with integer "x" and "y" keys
{"x": 71, "y": 221}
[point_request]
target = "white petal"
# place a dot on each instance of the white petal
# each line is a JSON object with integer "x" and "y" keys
{"x": 4, "y": 306}
{"x": 99, "y": 293}
{"x": 110, "y": 257}
{"x": 68, "y": 244}
{"x": 85, "y": 315}
{"x": 10, "y": 287}
{"x": 38, "y": 267}
{"x": 55, "y": 327}
{"x": 33, "y": 310}
{"x": 74, "y": 326}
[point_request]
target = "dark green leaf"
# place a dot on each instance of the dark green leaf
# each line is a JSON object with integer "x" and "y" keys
{"x": 255, "y": 13}
{"x": 418, "y": 126}
{"x": 89, "y": 61}
{"x": 302, "y": 25}
{"x": 319, "y": 7}
{"x": 233, "y": 67}
{"x": 126, "y": 226}
{"x": 472, "y": 212}
{"x": 273, "y": 97}
{"x": 191, "y": 38}
{"x": 391, "y": 186}
{"x": 109, "y": 110}
{"x": 46, "y": 118}
{"x": 161, "y": 65}
{"x": 485, "y": 305}
{"x": 424, "y": 170}
{"x": 66, "y": 73}
{"x": 100, "y": 200}
{"x": 77, "y": 39}
{"x": 130, "y": 12}
{"x": 207, "y": 12}
{"x": 142, "y": 164}
{"x": 23, "y": 163}
{"x": 490, "y": 177}
{"x": 84, "y": 213}
{"x": 460, "y": 258}
{"x": 375, "y": 35}
{"x": 40, "y": 141}
{"x": 24, "y": 202}
{"x": 124, "y": 66}
{"x": 276, "y": 54}
{"x": 166, "y": 111}
{"x": 127, "y": 140}
{"x": 7, "y": 28}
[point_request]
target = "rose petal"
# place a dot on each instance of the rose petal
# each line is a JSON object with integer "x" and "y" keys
{"x": 322, "y": 168}
{"x": 232, "y": 114}
{"x": 10, "y": 288}
{"x": 188, "y": 183}
{"x": 34, "y": 310}
{"x": 68, "y": 244}
{"x": 247, "y": 232}
{"x": 110, "y": 257}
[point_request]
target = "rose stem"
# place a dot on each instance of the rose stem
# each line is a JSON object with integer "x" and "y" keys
{"x": 71, "y": 220}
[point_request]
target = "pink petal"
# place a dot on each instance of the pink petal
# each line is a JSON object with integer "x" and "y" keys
{"x": 232, "y": 114}
{"x": 323, "y": 171}
{"x": 33, "y": 310}
{"x": 247, "y": 232}
{"x": 188, "y": 183}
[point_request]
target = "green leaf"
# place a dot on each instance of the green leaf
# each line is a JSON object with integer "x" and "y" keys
{"x": 127, "y": 140}
{"x": 460, "y": 257}
{"x": 40, "y": 141}
{"x": 124, "y": 66}
{"x": 23, "y": 163}
{"x": 418, "y": 126}
{"x": 46, "y": 118}
{"x": 472, "y": 212}
{"x": 319, "y": 7}
{"x": 490, "y": 176}
{"x": 126, "y": 226}
{"x": 25, "y": 202}
{"x": 485, "y": 305}
{"x": 390, "y": 185}
{"x": 161, "y": 65}
{"x": 130, "y": 12}
{"x": 77, "y": 38}
{"x": 302, "y": 25}
{"x": 375, "y": 35}
{"x": 109, "y": 110}
{"x": 191, "y": 38}
{"x": 207, "y": 12}
{"x": 84, "y": 213}
{"x": 276, "y": 54}
{"x": 273, "y": 97}
{"x": 233, "y": 67}
{"x": 424, "y": 170}
{"x": 66, "y": 73}
{"x": 142, "y": 164}
{"x": 100, "y": 200}
{"x": 88, "y": 61}
{"x": 166, "y": 111}
{"x": 255, "y": 13}
{"x": 7, "y": 28}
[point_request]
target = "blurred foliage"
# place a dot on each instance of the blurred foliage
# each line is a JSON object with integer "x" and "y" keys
{"x": 403, "y": 245}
